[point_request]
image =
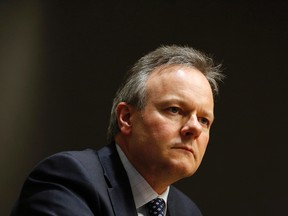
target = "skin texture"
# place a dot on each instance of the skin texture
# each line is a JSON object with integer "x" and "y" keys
{"x": 167, "y": 139}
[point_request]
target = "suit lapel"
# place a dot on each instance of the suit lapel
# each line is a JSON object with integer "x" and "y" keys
{"x": 119, "y": 188}
{"x": 122, "y": 205}
{"x": 171, "y": 211}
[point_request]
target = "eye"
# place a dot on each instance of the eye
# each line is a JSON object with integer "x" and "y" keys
{"x": 174, "y": 110}
{"x": 204, "y": 121}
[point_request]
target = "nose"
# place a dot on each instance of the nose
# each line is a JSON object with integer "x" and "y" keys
{"x": 191, "y": 128}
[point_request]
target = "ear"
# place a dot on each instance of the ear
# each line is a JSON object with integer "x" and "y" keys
{"x": 124, "y": 112}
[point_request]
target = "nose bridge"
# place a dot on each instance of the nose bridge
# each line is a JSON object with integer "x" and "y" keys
{"x": 193, "y": 120}
{"x": 192, "y": 126}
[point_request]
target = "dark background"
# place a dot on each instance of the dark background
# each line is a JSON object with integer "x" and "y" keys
{"x": 61, "y": 62}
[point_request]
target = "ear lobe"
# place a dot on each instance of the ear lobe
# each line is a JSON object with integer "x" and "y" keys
{"x": 123, "y": 111}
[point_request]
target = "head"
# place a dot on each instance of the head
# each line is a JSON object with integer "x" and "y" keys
{"x": 133, "y": 87}
{"x": 163, "y": 112}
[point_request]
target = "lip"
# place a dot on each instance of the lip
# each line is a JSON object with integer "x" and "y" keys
{"x": 186, "y": 148}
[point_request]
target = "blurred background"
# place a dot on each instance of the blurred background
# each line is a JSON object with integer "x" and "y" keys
{"x": 62, "y": 61}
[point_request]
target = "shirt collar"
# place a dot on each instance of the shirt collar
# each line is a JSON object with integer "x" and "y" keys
{"x": 142, "y": 191}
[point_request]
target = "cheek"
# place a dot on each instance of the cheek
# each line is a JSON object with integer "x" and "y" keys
{"x": 164, "y": 130}
{"x": 203, "y": 144}
{"x": 205, "y": 140}
{"x": 154, "y": 129}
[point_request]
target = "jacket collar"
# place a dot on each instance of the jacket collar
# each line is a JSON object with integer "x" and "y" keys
{"x": 119, "y": 189}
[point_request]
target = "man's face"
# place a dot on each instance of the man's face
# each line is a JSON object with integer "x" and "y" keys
{"x": 170, "y": 135}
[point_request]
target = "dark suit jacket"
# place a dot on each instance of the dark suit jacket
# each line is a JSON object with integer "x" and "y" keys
{"x": 86, "y": 183}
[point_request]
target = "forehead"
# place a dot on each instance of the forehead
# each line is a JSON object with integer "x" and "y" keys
{"x": 181, "y": 82}
{"x": 172, "y": 75}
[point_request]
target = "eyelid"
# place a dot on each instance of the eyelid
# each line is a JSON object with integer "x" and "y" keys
{"x": 180, "y": 111}
{"x": 177, "y": 109}
{"x": 208, "y": 122}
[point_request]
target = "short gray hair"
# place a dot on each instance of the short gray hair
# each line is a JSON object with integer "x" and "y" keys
{"x": 132, "y": 90}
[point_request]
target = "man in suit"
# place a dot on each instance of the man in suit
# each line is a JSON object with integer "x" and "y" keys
{"x": 158, "y": 132}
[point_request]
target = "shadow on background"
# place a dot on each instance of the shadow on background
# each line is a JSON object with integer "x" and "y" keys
{"x": 60, "y": 65}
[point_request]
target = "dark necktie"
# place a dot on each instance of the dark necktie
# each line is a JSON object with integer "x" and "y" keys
{"x": 156, "y": 207}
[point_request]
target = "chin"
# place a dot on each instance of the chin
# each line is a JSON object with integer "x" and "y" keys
{"x": 185, "y": 171}
{"x": 188, "y": 172}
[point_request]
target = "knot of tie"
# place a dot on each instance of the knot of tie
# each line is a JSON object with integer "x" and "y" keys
{"x": 156, "y": 207}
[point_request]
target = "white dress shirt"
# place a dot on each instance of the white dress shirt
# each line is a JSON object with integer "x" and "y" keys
{"x": 142, "y": 191}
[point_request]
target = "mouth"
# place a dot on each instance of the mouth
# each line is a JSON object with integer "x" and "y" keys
{"x": 185, "y": 148}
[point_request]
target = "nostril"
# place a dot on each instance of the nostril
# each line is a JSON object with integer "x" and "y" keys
{"x": 191, "y": 131}
{"x": 188, "y": 133}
